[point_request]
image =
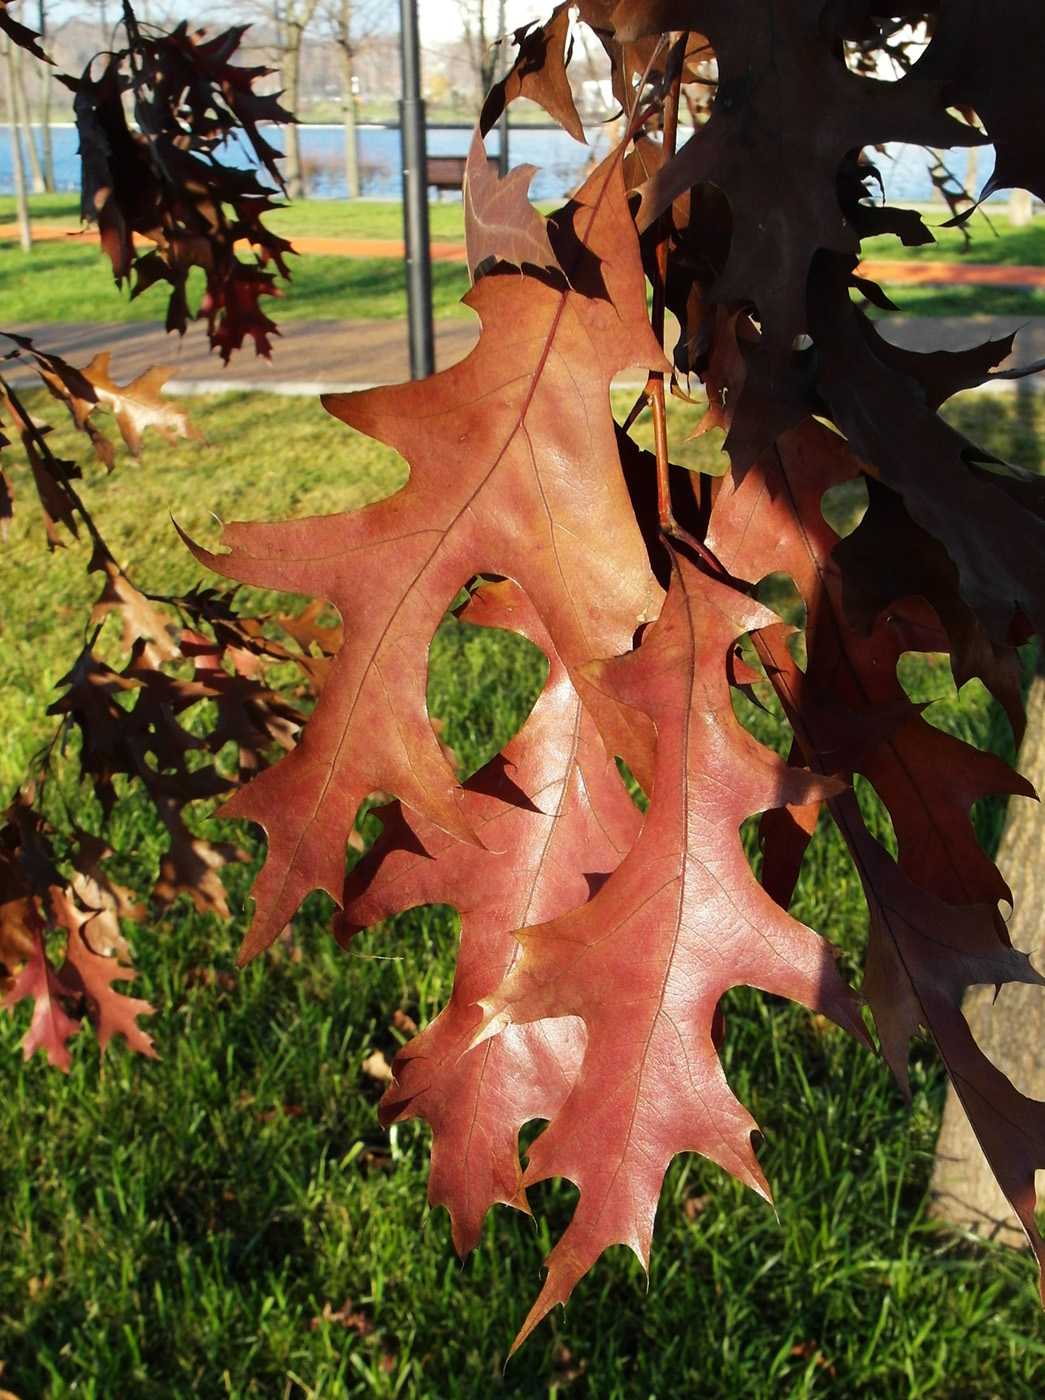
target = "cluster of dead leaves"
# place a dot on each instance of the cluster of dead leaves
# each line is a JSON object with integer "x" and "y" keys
{"x": 154, "y": 119}
{"x": 170, "y": 696}
{"x": 158, "y": 122}
{"x": 596, "y": 945}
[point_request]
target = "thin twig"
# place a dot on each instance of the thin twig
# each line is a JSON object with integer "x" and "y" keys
{"x": 655, "y": 383}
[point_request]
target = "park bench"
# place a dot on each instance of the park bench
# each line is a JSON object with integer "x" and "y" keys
{"x": 447, "y": 172}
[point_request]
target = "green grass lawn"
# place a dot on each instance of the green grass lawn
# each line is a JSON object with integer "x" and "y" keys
{"x": 193, "y": 1227}
{"x": 73, "y": 283}
{"x": 306, "y": 218}
{"x": 992, "y": 240}
{"x": 56, "y": 282}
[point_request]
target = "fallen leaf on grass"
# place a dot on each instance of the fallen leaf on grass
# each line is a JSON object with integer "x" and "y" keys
{"x": 345, "y": 1317}
{"x": 566, "y": 1370}
{"x": 406, "y": 1025}
{"x": 289, "y": 1110}
{"x": 809, "y": 1351}
{"x": 693, "y": 1206}
{"x": 377, "y": 1068}
{"x": 209, "y": 977}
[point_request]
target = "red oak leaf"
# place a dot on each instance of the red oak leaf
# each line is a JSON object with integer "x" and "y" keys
{"x": 500, "y": 223}
{"x": 850, "y": 691}
{"x": 87, "y": 974}
{"x": 554, "y": 818}
{"x": 687, "y": 919}
{"x": 507, "y": 477}
{"x": 539, "y": 73}
{"x": 50, "y": 1028}
{"x": 922, "y": 955}
{"x": 973, "y": 513}
{"x": 786, "y": 113}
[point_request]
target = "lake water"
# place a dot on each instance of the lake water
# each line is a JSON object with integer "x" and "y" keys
{"x": 560, "y": 160}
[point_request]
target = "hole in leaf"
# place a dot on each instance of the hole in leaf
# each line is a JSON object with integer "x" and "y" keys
{"x": 635, "y": 789}
{"x": 482, "y": 683}
{"x": 875, "y": 814}
{"x": 759, "y": 711}
{"x": 926, "y": 677}
{"x": 779, "y": 592}
{"x": 888, "y": 55}
{"x": 843, "y": 506}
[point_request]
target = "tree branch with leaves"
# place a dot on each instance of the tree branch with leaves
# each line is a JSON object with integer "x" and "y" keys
{"x": 598, "y": 941}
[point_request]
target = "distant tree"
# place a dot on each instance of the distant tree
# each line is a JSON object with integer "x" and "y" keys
{"x": 7, "y": 50}
{"x": 290, "y": 19}
{"x": 482, "y": 23}
{"x": 346, "y": 23}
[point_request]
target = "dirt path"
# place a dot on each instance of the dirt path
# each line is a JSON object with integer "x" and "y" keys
{"x": 891, "y": 270}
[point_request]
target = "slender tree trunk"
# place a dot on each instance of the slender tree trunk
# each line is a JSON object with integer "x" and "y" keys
{"x": 45, "y": 127}
{"x": 348, "y": 112}
{"x": 291, "y": 73}
{"x": 46, "y": 90}
{"x": 24, "y": 121}
{"x": 1011, "y": 1029}
{"x": 17, "y": 164}
{"x": 972, "y": 171}
{"x": 1021, "y": 208}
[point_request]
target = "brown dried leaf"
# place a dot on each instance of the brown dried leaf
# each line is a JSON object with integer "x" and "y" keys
{"x": 501, "y": 225}
{"x": 539, "y": 73}
{"x": 485, "y": 442}
{"x": 554, "y": 819}
{"x": 686, "y": 919}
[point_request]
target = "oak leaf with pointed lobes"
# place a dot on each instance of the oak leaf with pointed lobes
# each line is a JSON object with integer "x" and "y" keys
{"x": 686, "y": 916}
{"x": 929, "y": 942}
{"x": 887, "y": 557}
{"x": 914, "y": 452}
{"x": 139, "y": 405}
{"x": 500, "y": 223}
{"x": 136, "y": 406}
{"x": 850, "y": 691}
{"x": 51, "y": 1026}
{"x": 539, "y": 73}
{"x": 164, "y": 178}
{"x": 23, "y": 37}
{"x": 86, "y": 973}
{"x": 786, "y": 113}
{"x": 513, "y": 472}
{"x": 922, "y": 955}
{"x": 976, "y": 42}
{"x": 554, "y": 818}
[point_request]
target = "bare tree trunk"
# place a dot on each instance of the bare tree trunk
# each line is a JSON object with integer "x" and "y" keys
{"x": 17, "y": 164}
{"x": 348, "y": 112}
{"x": 46, "y": 90}
{"x": 290, "y": 68}
{"x": 1010, "y": 1030}
{"x": 483, "y": 55}
{"x": 22, "y": 110}
{"x": 1021, "y": 208}
{"x": 972, "y": 171}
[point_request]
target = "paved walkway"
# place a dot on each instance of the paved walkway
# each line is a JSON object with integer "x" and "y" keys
{"x": 312, "y": 357}
{"x": 308, "y": 357}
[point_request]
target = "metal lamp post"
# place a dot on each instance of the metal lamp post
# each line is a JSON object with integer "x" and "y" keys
{"x": 415, "y": 198}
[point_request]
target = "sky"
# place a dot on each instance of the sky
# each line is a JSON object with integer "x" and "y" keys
{"x": 440, "y": 20}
